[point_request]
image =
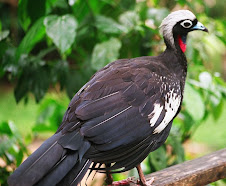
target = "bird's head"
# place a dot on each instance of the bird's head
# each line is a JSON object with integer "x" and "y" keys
{"x": 177, "y": 25}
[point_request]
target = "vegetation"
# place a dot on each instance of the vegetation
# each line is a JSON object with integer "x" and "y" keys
{"x": 59, "y": 44}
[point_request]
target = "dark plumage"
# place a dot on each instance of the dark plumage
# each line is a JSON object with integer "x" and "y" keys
{"x": 121, "y": 115}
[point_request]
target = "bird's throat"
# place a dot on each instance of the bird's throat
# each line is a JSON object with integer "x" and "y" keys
{"x": 182, "y": 42}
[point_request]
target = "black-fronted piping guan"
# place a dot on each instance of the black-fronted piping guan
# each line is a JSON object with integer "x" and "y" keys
{"x": 122, "y": 114}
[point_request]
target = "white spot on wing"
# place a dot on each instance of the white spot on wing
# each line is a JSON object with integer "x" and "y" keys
{"x": 154, "y": 115}
{"x": 171, "y": 108}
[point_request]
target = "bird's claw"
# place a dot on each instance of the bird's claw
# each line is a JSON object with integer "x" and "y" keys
{"x": 147, "y": 183}
{"x": 133, "y": 180}
{"x": 125, "y": 182}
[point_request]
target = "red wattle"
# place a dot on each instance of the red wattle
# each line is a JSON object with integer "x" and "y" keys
{"x": 181, "y": 44}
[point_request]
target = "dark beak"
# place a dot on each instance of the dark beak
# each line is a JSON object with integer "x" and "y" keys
{"x": 199, "y": 26}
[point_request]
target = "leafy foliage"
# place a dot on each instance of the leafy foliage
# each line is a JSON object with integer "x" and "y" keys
{"x": 12, "y": 149}
{"x": 61, "y": 29}
{"x": 50, "y": 115}
{"x": 64, "y": 42}
{"x": 105, "y": 52}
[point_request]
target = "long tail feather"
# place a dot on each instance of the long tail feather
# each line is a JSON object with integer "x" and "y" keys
{"x": 38, "y": 163}
{"x": 60, "y": 170}
{"x": 59, "y": 161}
{"x": 74, "y": 177}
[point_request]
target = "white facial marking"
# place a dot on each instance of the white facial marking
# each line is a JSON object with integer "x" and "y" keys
{"x": 154, "y": 115}
{"x": 186, "y": 24}
{"x": 171, "y": 108}
{"x": 166, "y": 27}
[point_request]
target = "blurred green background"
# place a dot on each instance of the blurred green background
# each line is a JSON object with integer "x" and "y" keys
{"x": 50, "y": 48}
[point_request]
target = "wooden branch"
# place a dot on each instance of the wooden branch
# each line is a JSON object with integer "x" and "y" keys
{"x": 200, "y": 171}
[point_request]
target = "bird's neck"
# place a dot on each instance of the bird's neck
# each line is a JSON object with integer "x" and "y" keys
{"x": 175, "y": 58}
{"x": 178, "y": 43}
{"x": 182, "y": 42}
{"x": 180, "y": 48}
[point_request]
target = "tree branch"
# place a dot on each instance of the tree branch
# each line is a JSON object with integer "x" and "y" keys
{"x": 200, "y": 171}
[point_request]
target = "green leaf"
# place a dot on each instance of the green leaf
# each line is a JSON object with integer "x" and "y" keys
{"x": 12, "y": 147}
{"x": 158, "y": 158}
{"x": 182, "y": 2}
{"x": 194, "y": 103}
{"x": 130, "y": 20}
{"x": 24, "y": 18}
{"x": 5, "y": 128}
{"x": 4, "y": 34}
{"x": 108, "y": 25}
{"x": 110, "y": 2}
{"x": 9, "y": 63}
{"x": 33, "y": 36}
{"x": 30, "y": 11}
{"x": 11, "y": 133}
{"x": 177, "y": 147}
{"x": 80, "y": 10}
{"x": 50, "y": 116}
{"x": 21, "y": 89}
{"x": 217, "y": 111}
{"x": 126, "y": 4}
{"x": 19, "y": 157}
{"x": 13, "y": 128}
{"x": 95, "y": 6}
{"x": 35, "y": 78}
{"x": 3, "y": 48}
{"x": 75, "y": 80}
{"x": 36, "y": 9}
{"x": 105, "y": 53}
{"x": 156, "y": 2}
{"x": 44, "y": 128}
{"x": 51, "y": 4}
{"x": 62, "y": 30}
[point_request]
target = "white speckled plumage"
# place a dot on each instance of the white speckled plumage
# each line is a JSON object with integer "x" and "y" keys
{"x": 171, "y": 109}
{"x": 154, "y": 115}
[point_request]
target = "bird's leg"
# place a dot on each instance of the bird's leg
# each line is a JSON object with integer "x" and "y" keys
{"x": 143, "y": 181}
{"x": 109, "y": 178}
{"x": 141, "y": 175}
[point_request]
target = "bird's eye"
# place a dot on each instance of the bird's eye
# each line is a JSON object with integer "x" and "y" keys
{"x": 186, "y": 24}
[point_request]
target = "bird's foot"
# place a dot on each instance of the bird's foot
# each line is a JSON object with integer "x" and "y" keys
{"x": 125, "y": 182}
{"x": 146, "y": 183}
{"x": 133, "y": 180}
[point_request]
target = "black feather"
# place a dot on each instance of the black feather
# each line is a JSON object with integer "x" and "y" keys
{"x": 60, "y": 170}
{"x": 74, "y": 177}
{"x": 38, "y": 164}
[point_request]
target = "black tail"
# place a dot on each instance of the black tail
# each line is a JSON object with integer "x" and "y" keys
{"x": 59, "y": 161}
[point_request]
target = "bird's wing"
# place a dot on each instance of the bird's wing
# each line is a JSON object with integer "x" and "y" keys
{"x": 120, "y": 108}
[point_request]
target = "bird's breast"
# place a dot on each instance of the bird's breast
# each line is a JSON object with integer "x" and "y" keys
{"x": 166, "y": 109}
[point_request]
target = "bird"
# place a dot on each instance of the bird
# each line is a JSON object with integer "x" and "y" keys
{"x": 124, "y": 112}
